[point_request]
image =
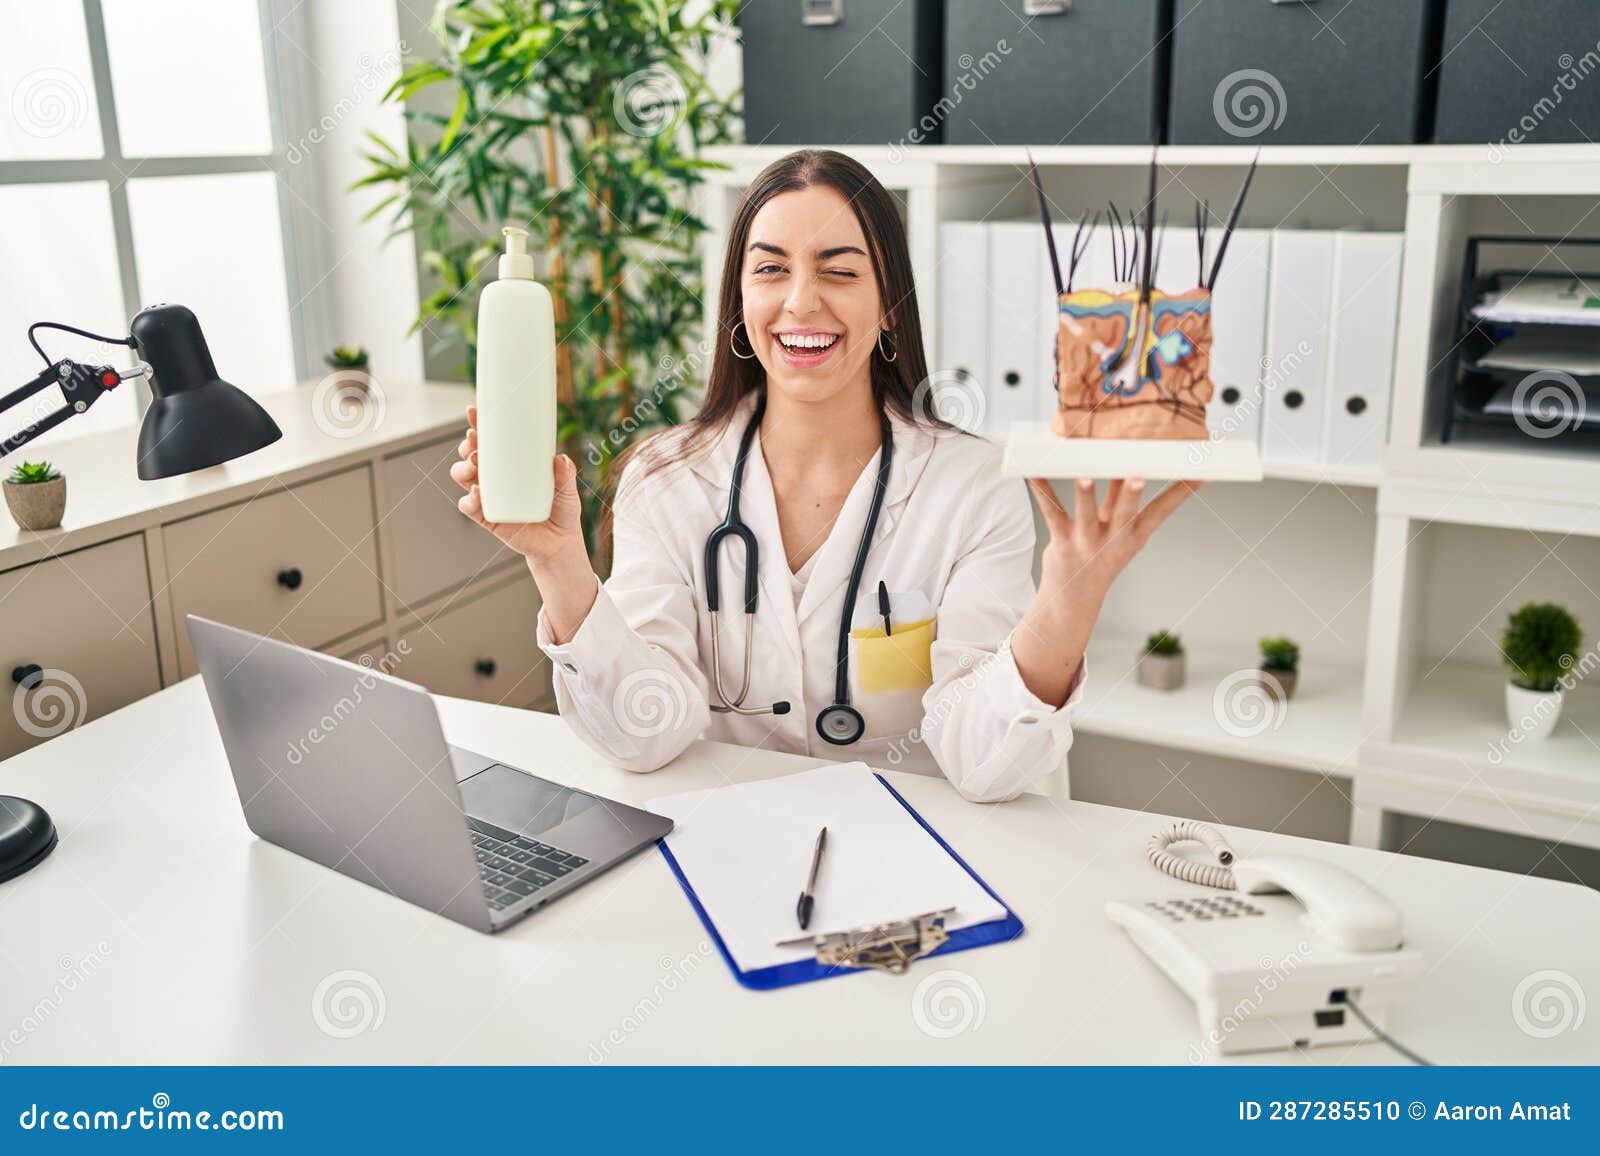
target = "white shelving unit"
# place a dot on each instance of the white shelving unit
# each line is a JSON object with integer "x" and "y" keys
{"x": 1424, "y": 554}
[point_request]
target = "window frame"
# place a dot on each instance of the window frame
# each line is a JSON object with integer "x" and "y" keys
{"x": 289, "y": 80}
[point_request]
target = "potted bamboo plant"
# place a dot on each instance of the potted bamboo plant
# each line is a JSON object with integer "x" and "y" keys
{"x": 1161, "y": 665}
{"x": 1540, "y": 644}
{"x": 1280, "y": 667}
{"x": 585, "y": 128}
{"x": 36, "y": 495}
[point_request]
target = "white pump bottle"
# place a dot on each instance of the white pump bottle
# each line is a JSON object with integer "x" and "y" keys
{"x": 516, "y": 390}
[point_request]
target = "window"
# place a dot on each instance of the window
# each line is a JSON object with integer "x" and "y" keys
{"x": 140, "y": 162}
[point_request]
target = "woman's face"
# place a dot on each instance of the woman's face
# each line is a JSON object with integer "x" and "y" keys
{"x": 811, "y": 303}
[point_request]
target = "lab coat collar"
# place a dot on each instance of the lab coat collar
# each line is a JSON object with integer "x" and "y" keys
{"x": 913, "y": 447}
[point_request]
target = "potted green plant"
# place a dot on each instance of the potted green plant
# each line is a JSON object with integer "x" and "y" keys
{"x": 349, "y": 362}
{"x": 1161, "y": 665}
{"x": 583, "y": 124}
{"x": 1280, "y": 667}
{"x": 1540, "y": 644}
{"x": 36, "y": 495}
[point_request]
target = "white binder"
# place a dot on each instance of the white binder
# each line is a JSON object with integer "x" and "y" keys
{"x": 1294, "y": 386}
{"x": 1238, "y": 326}
{"x": 964, "y": 288}
{"x": 1018, "y": 384}
{"x": 1366, "y": 304}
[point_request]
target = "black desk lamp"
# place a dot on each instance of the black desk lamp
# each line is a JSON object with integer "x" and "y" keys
{"x": 195, "y": 420}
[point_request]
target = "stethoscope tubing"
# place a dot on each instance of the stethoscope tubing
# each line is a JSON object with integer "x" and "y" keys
{"x": 733, "y": 525}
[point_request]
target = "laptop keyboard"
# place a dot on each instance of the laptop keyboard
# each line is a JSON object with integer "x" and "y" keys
{"x": 513, "y": 867}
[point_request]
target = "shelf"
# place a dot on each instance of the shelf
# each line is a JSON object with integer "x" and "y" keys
{"x": 1453, "y": 729}
{"x": 1336, "y": 475}
{"x": 1312, "y": 156}
{"x": 1318, "y": 731}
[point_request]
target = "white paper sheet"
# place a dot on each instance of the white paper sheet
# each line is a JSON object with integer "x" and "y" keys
{"x": 746, "y": 851}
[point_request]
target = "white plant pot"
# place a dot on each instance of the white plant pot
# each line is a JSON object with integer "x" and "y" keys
{"x": 1533, "y": 714}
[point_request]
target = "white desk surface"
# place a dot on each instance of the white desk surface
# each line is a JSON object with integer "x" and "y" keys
{"x": 162, "y": 931}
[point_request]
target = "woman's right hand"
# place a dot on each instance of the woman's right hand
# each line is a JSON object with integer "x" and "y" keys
{"x": 559, "y": 538}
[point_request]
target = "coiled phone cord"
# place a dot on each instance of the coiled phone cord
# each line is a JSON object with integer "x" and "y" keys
{"x": 1216, "y": 874}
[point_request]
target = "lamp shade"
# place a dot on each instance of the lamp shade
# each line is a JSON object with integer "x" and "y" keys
{"x": 195, "y": 418}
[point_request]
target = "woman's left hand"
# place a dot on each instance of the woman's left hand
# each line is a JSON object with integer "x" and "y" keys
{"x": 1088, "y": 549}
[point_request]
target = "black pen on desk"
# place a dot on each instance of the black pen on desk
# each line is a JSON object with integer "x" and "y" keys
{"x": 807, "y": 897}
{"x": 883, "y": 607}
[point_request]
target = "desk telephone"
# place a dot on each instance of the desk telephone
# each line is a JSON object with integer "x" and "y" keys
{"x": 1296, "y": 952}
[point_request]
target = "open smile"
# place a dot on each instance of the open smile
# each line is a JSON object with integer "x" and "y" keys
{"x": 807, "y": 348}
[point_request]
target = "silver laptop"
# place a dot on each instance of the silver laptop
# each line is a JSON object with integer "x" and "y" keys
{"x": 348, "y": 766}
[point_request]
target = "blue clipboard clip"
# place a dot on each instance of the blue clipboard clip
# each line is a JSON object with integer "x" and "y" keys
{"x": 835, "y": 961}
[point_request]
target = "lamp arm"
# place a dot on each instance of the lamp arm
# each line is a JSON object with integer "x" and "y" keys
{"x": 81, "y": 386}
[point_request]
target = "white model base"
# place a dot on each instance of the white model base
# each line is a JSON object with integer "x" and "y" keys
{"x": 1032, "y": 451}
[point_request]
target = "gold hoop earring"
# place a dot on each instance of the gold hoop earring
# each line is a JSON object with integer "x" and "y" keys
{"x": 734, "y": 349}
{"x": 893, "y": 352}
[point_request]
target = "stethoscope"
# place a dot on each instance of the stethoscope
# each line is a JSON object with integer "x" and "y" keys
{"x": 840, "y": 723}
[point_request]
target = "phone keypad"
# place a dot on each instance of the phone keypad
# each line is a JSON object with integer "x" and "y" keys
{"x": 1204, "y": 908}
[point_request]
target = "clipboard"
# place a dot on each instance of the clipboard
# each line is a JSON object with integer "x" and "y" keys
{"x": 920, "y": 935}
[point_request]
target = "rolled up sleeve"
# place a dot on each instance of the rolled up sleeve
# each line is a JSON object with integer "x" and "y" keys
{"x": 990, "y": 734}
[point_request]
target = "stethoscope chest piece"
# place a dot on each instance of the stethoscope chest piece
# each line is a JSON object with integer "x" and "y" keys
{"x": 841, "y": 724}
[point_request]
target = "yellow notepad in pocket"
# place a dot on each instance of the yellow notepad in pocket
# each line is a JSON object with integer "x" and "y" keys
{"x": 901, "y": 660}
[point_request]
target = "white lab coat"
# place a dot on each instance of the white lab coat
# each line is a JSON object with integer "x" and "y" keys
{"x": 634, "y": 680}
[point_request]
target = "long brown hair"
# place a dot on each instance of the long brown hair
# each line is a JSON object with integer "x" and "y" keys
{"x": 895, "y": 384}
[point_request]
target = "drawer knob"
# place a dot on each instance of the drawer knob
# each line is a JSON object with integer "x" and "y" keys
{"x": 485, "y": 667}
{"x": 28, "y": 675}
{"x": 291, "y": 578}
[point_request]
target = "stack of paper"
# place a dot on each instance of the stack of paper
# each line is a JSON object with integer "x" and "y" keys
{"x": 746, "y": 852}
{"x": 1542, "y": 300}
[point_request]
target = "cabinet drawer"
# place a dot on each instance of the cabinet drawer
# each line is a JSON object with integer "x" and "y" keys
{"x": 432, "y": 544}
{"x": 483, "y": 649}
{"x": 85, "y": 619}
{"x": 299, "y": 564}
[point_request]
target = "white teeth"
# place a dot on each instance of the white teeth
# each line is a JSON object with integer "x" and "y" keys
{"x": 808, "y": 341}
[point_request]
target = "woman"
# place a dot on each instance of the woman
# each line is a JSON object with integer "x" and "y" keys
{"x": 819, "y": 374}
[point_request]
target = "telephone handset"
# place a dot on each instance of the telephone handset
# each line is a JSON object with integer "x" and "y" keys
{"x": 1279, "y": 960}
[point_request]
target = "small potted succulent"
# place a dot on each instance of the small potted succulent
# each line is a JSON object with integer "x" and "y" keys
{"x": 1280, "y": 667}
{"x": 1161, "y": 666}
{"x": 349, "y": 362}
{"x": 1540, "y": 644}
{"x": 36, "y": 495}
